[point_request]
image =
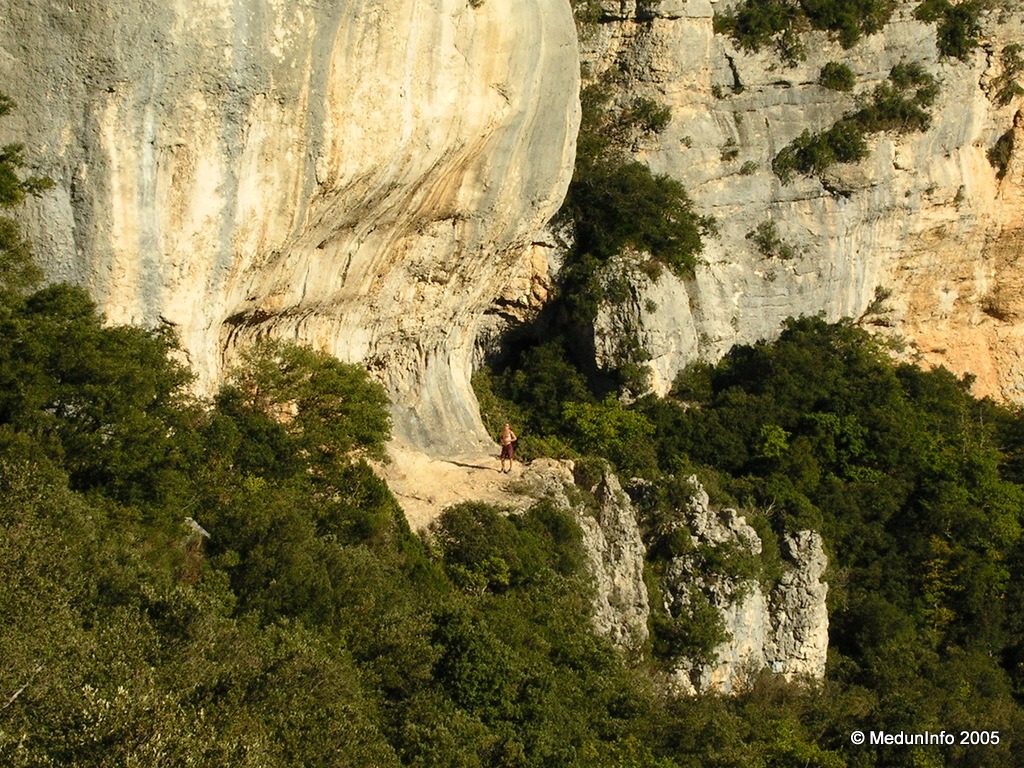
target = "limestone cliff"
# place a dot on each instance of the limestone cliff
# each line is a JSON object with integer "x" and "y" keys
{"x": 780, "y": 625}
{"x": 364, "y": 176}
{"x": 374, "y": 178}
{"x": 924, "y": 222}
{"x": 783, "y": 628}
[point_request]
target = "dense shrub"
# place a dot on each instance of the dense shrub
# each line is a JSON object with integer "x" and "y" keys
{"x": 107, "y": 402}
{"x": 848, "y": 19}
{"x": 644, "y": 116}
{"x": 692, "y": 634}
{"x": 813, "y": 154}
{"x": 837, "y": 76}
{"x": 620, "y": 205}
{"x": 1005, "y": 87}
{"x": 610, "y": 430}
{"x": 899, "y": 105}
{"x": 958, "y": 26}
{"x": 484, "y": 549}
{"x": 766, "y": 240}
{"x": 329, "y": 408}
{"x": 615, "y": 203}
{"x": 693, "y": 382}
{"x": 999, "y": 154}
{"x": 754, "y": 24}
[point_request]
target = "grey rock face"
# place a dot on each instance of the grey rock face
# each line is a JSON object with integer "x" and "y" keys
{"x": 924, "y": 217}
{"x": 367, "y": 177}
{"x": 798, "y": 641}
{"x": 785, "y": 630}
{"x": 612, "y": 542}
{"x": 658, "y": 312}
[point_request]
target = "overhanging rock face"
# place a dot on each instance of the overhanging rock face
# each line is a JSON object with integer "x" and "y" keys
{"x": 365, "y": 176}
{"x": 374, "y": 178}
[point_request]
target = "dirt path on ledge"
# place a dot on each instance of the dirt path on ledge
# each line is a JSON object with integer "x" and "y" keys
{"x": 426, "y": 485}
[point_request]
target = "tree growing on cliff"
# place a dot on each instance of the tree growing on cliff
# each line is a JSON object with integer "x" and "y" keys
{"x": 13, "y": 188}
{"x": 900, "y": 104}
{"x": 17, "y": 272}
{"x": 958, "y": 25}
{"x": 755, "y": 24}
{"x": 615, "y": 203}
{"x": 330, "y": 408}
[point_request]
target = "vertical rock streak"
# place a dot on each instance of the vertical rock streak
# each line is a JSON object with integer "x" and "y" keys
{"x": 923, "y": 217}
{"x": 365, "y": 177}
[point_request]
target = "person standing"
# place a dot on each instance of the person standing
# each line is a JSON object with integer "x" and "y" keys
{"x": 508, "y": 447}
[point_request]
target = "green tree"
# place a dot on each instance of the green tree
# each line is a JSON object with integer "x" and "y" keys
{"x": 610, "y": 430}
{"x": 837, "y": 76}
{"x": 330, "y": 408}
{"x": 958, "y": 25}
{"x": 111, "y": 404}
{"x": 618, "y": 205}
{"x": 13, "y": 188}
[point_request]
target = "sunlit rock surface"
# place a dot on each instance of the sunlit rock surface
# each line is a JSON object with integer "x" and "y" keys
{"x": 782, "y": 627}
{"x": 365, "y": 176}
{"x": 923, "y": 223}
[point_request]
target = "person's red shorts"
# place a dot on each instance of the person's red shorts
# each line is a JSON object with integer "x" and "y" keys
{"x": 508, "y": 452}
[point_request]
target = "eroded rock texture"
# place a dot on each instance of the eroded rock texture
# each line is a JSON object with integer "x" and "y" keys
{"x": 798, "y": 642}
{"x": 611, "y": 542}
{"x": 923, "y": 223}
{"x": 783, "y": 627}
{"x": 611, "y": 539}
{"x": 367, "y": 176}
{"x": 374, "y": 177}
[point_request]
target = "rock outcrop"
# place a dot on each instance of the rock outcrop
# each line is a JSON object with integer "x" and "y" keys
{"x": 783, "y": 628}
{"x": 922, "y": 239}
{"x": 611, "y": 539}
{"x": 798, "y": 641}
{"x": 611, "y": 542}
{"x": 370, "y": 177}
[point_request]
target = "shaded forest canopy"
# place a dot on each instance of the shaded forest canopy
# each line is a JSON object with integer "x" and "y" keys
{"x": 314, "y": 628}
{"x": 228, "y": 583}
